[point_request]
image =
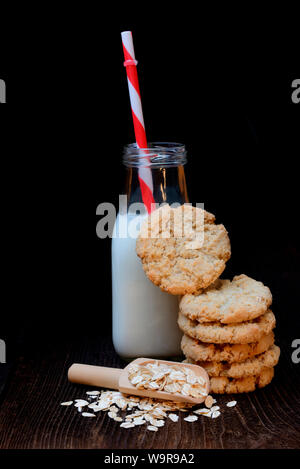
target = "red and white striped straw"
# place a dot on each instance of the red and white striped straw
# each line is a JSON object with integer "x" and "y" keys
{"x": 145, "y": 175}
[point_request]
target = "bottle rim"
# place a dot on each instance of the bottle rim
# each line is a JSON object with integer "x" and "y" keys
{"x": 156, "y": 155}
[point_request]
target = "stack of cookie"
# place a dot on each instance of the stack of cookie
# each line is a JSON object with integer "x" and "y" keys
{"x": 228, "y": 326}
{"x": 228, "y": 330}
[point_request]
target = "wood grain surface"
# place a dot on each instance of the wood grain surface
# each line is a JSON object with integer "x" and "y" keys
{"x": 31, "y": 416}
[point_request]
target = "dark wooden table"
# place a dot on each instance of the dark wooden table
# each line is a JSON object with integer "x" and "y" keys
{"x": 31, "y": 416}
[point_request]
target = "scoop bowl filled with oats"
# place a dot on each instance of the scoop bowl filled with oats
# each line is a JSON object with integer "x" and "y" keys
{"x": 157, "y": 379}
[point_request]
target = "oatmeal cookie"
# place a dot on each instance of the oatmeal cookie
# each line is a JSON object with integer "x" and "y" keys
{"x": 182, "y": 250}
{"x": 218, "y": 333}
{"x": 229, "y": 302}
{"x": 251, "y": 367}
{"x": 222, "y": 385}
{"x": 201, "y": 351}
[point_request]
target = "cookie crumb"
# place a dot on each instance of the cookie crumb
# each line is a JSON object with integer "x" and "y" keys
{"x": 209, "y": 401}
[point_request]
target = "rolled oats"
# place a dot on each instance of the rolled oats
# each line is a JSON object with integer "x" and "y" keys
{"x": 173, "y": 417}
{"x": 162, "y": 377}
{"x": 202, "y": 411}
{"x": 137, "y": 411}
{"x": 81, "y": 403}
{"x": 152, "y": 428}
{"x": 87, "y": 414}
{"x": 191, "y": 418}
{"x": 127, "y": 425}
{"x": 231, "y": 404}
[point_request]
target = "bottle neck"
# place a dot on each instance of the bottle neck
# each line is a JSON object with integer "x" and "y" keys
{"x": 169, "y": 185}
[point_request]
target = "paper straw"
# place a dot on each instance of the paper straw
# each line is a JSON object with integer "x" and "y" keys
{"x": 145, "y": 174}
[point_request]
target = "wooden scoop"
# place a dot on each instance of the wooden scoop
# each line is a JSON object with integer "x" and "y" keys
{"x": 115, "y": 378}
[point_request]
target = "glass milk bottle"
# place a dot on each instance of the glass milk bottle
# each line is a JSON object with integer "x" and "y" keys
{"x": 144, "y": 317}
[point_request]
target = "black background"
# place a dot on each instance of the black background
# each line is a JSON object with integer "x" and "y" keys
{"x": 221, "y": 85}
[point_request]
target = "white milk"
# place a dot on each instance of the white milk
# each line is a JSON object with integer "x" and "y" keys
{"x": 144, "y": 317}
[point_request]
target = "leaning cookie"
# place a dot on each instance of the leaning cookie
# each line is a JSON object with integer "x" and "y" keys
{"x": 182, "y": 250}
{"x": 251, "y": 367}
{"x": 201, "y": 351}
{"x": 222, "y": 385}
{"x": 229, "y": 302}
{"x": 218, "y": 333}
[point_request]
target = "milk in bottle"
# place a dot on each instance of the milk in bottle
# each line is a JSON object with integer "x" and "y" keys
{"x": 144, "y": 317}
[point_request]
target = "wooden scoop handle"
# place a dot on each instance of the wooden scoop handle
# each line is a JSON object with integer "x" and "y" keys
{"x": 99, "y": 376}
